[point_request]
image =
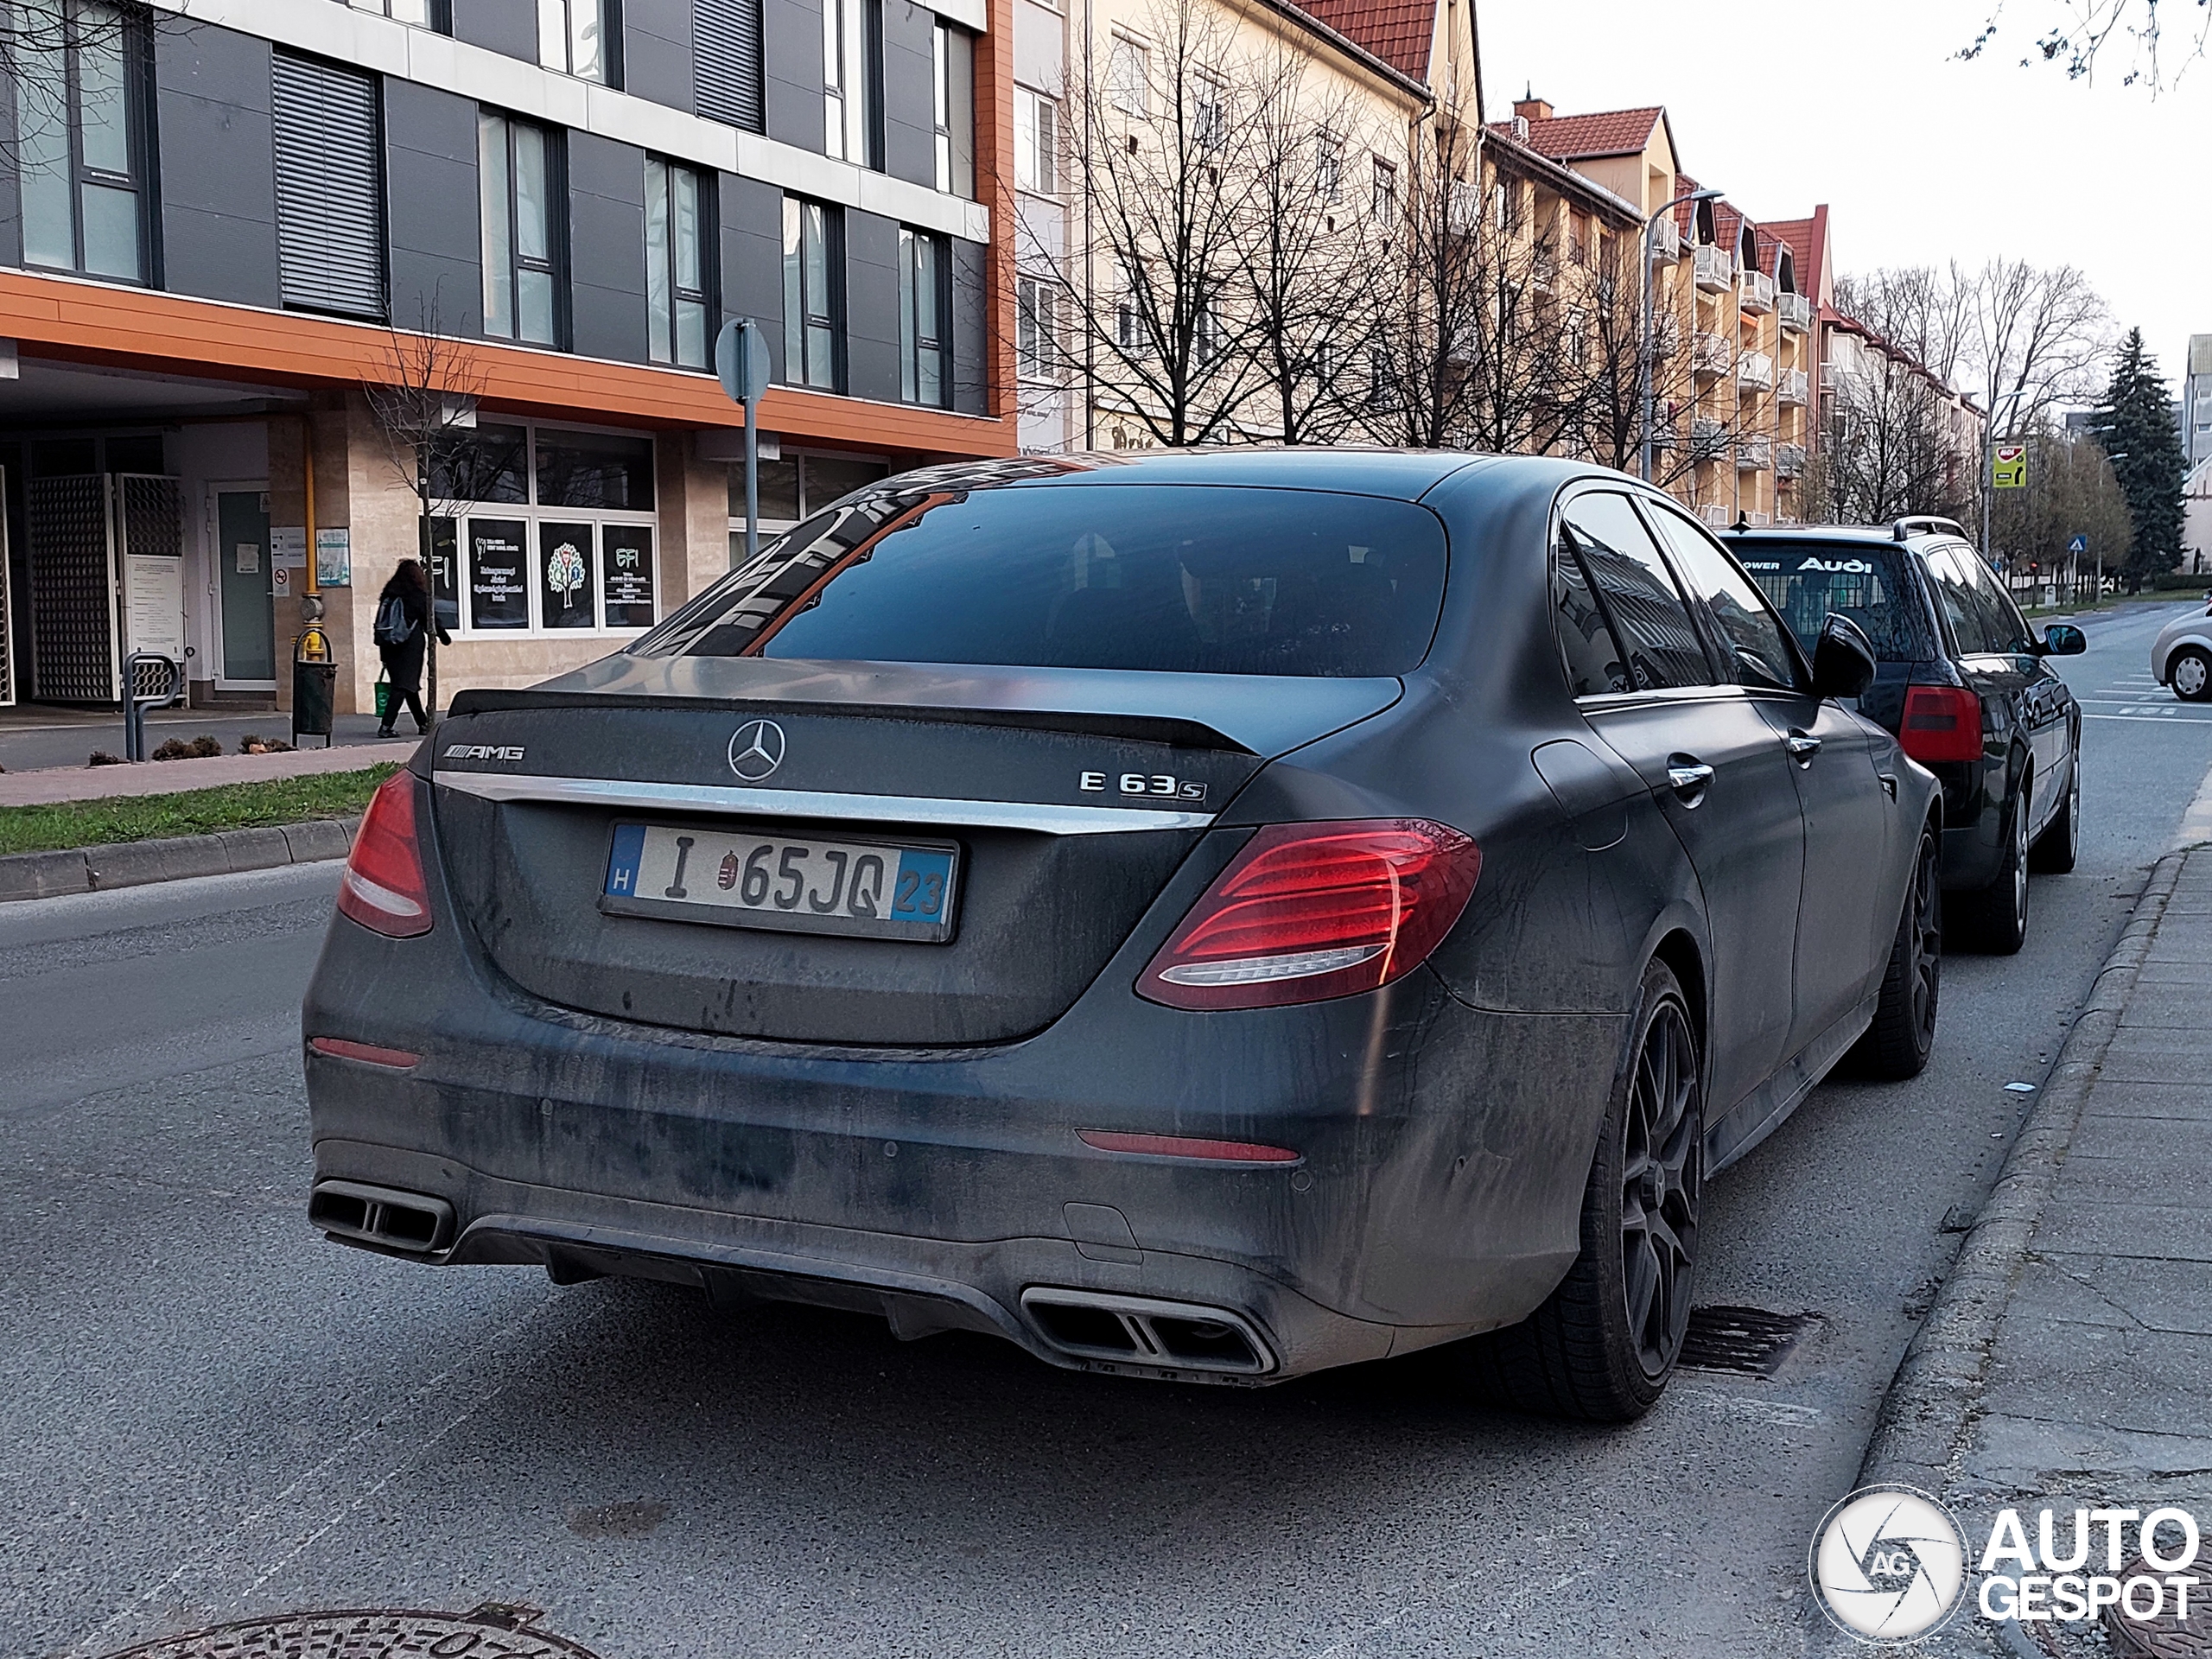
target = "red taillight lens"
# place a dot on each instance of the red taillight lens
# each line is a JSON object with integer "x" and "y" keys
{"x": 1311, "y": 911}
{"x": 1941, "y": 722}
{"x": 382, "y": 889}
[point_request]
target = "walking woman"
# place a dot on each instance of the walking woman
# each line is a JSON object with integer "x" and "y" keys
{"x": 403, "y": 635}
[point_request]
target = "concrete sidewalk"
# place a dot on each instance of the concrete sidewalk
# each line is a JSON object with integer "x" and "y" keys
{"x": 168, "y": 777}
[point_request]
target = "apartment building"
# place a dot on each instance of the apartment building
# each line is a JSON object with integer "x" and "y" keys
{"x": 2196, "y": 403}
{"x": 216, "y": 230}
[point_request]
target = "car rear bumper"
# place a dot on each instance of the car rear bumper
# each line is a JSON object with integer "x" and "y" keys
{"x": 1440, "y": 1158}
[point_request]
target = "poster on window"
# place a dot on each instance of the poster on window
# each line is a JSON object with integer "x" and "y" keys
{"x": 445, "y": 572}
{"x": 499, "y": 581}
{"x": 564, "y": 584}
{"x": 627, "y": 576}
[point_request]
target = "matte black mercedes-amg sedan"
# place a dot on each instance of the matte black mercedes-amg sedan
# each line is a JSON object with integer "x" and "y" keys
{"x": 1207, "y": 916}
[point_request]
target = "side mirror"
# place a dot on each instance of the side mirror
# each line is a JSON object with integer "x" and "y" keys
{"x": 1843, "y": 660}
{"x": 2063, "y": 640}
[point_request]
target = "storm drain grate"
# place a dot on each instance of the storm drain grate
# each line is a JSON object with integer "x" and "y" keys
{"x": 1749, "y": 1341}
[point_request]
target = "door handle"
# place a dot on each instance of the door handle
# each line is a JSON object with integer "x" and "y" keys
{"x": 1803, "y": 746}
{"x": 1688, "y": 777}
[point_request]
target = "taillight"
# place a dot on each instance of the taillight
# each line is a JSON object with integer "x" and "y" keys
{"x": 1941, "y": 722}
{"x": 382, "y": 889}
{"x": 1311, "y": 911}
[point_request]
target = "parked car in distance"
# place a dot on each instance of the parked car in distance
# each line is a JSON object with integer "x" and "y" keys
{"x": 1965, "y": 683}
{"x": 1197, "y": 916}
{"x": 2181, "y": 656}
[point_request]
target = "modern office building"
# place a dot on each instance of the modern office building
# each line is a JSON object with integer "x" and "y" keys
{"x": 223, "y": 223}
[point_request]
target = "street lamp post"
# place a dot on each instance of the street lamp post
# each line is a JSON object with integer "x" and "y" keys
{"x": 1647, "y": 397}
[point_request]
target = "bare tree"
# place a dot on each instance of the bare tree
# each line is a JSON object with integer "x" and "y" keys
{"x": 1303, "y": 246}
{"x": 1918, "y": 308}
{"x": 2076, "y": 34}
{"x": 1889, "y": 449}
{"x": 2070, "y": 492}
{"x": 2039, "y": 339}
{"x": 424, "y": 404}
{"x": 1163, "y": 134}
{"x": 1608, "y": 388}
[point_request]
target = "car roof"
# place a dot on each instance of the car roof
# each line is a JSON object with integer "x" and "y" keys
{"x": 1404, "y": 474}
{"x": 1843, "y": 534}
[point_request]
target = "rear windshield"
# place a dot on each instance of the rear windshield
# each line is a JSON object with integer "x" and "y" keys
{"x": 1807, "y": 580}
{"x": 1185, "y": 579}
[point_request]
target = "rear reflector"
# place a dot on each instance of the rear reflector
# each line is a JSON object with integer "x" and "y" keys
{"x": 339, "y": 1048}
{"x": 1941, "y": 722}
{"x": 1176, "y": 1145}
{"x": 382, "y": 889}
{"x": 1311, "y": 911}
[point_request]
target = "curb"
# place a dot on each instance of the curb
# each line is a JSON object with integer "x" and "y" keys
{"x": 1928, "y": 1411}
{"x": 171, "y": 858}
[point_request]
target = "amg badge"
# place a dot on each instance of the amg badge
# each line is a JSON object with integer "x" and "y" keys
{"x": 483, "y": 752}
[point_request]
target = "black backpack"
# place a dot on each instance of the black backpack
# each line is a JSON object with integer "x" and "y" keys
{"x": 392, "y": 626}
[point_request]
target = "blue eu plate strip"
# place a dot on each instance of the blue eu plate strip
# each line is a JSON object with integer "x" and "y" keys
{"x": 629, "y": 853}
{"x": 919, "y": 892}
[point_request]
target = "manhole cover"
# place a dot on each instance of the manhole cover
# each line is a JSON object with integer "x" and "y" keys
{"x": 489, "y": 1633}
{"x": 2165, "y": 1638}
{"x": 1749, "y": 1341}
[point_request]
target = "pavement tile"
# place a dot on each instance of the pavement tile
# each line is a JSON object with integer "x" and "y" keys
{"x": 2078, "y": 1461}
{"x": 2127, "y": 1292}
{"x": 2147, "y": 1142}
{"x": 2184, "y": 1091}
{"x": 2152, "y": 1381}
{"x": 2154, "y": 1005}
{"x": 2175, "y": 1066}
{"x": 2080, "y": 1221}
{"x": 2194, "y": 972}
{"x": 2161, "y": 1040}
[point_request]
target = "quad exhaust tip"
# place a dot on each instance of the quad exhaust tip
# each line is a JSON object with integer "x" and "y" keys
{"x": 1140, "y": 1330}
{"x": 412, "y": 1223}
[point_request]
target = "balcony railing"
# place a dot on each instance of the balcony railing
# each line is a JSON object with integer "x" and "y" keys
{"x": 1794, "y": 311}
{"x": 1708, "y": 437}
{"x": 1709, "y": 353}
{"x": 1464, "y": 213}
{"x": 1755, "y": 369}
{"x": 1830, "y": 375}
{"x": 1793, "y": 387}
{"x": 1754, "y": 292}
{"x": 1754, "y": 454}
{"x": 1715, "y": 514}
{"x": 1756, "y": 520}
{"x": 1715, "y": 272}
{"x": 1790, "y": 461}
{"x": 1667, "y": 239}
{"x": 1543, "y": 273}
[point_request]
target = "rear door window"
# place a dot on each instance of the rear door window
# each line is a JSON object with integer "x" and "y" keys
{"x": 1189, "y": 579}
{"x": 1747, "y": 628}
{"x": 1976, "y": 630}
{"x": 1594, "y": 661}
{"x": 1638, "y": 592}
{"x": 2003, "y": 625}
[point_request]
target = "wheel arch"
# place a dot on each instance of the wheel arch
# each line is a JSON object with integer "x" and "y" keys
{"x": 1679, "y": 951}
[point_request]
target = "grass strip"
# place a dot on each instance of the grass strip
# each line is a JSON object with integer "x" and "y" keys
{"x": 188, "y": 812}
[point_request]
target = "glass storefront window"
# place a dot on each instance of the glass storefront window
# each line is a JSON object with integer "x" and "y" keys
{"x": 498, "y": 587}
{"x": 485, "y": 466}
{"x": 589, "y": 469}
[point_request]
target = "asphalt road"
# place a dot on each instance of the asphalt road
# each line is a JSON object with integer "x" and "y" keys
{"x": 206, "y": 1413}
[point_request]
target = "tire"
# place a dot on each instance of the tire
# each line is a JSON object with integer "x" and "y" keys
{"x": 2059, "y": 846}
{"x": 1997, "y": 918}
{"x": 1896, "y": 1045}
{"x": 1603, "y": 1344}
{"x": 2189, "y": 673}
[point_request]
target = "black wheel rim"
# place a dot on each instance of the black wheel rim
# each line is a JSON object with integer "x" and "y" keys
{"x": 1927, "y": 923}
{"x": 1661, "y": 1173}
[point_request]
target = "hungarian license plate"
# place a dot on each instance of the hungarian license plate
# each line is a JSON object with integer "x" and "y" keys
{"x": 800, "y": 884}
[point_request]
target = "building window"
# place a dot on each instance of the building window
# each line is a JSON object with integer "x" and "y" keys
{"x": 796, "y": 487}
{"x": 1036, "y": 328}
{"x": 519, "y": 177}
{"x": 1036, "y": 141}
{"x": 424, "y": 14}
{"x": 1328, "y": 167}
{"x": 852, "y": 81}
{"x": 1383, "y": 204}
{"x": 1128, "y": 80}
{"x": 579, "y": 38}
{"x": 545, "y": 530}
{"x": 725, "y": 38}
{"x": 679, "y": 229}
{"x": 1128, "y": 326}
{"x": 814, "y": 323}
{"x": 1209, "y": 113}
{"x": 924, "y": 317}
{"x": 80, "y": 126}
{"x": 329, "y": 151}
{"x": 955, "y": 103}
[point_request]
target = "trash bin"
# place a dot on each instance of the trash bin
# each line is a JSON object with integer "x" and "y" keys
{"x": 315, "y": 686}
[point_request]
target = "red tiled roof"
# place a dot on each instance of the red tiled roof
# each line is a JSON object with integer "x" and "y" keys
{"x": 1399, "y": 32}
{"x": 1809, "y": 245}
{"x": 1612, "y": 132}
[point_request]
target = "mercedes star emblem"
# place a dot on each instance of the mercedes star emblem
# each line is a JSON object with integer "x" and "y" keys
{"x": 756, "y": 750}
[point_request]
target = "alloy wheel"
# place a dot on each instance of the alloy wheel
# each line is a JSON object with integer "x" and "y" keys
{"x": 2020, "y": 859}
{"x": 1661, "y": 1175}
{"x": 1928, "y": 941}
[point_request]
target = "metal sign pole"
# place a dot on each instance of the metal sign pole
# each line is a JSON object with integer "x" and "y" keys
{"x": 741, "y": 360}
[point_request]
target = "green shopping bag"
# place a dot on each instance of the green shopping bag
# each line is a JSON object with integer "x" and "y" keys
{"x": 384, "y": 697}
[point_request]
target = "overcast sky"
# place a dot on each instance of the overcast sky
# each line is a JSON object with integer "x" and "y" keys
{"x": 1920, "y": 158}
